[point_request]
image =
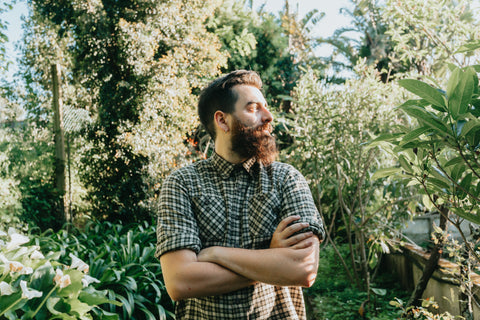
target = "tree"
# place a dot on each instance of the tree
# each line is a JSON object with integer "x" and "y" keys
{"x": 329, "y": 128}
{"x": 132, "y": 65}
{"x": 438, "y": 152}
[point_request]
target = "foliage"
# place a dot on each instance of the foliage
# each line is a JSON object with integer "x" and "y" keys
{"x": 134, "y": 66}
{"x": 329, "y": 128}
{"x": 122, "y": 259}
{"x": 334, "y": 297}
{"x": 427, "y": 33}
{"x": 437, "y": 152}
{"x": 35, "y": 286}
{"x": 256, "y": 41}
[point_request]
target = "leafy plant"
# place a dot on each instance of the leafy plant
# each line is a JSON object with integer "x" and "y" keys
{"x": 330, "y": 127}
{"x": 438, "y": 153}
{"x": 122, "y": 259}
{"x": 34, "y": 286}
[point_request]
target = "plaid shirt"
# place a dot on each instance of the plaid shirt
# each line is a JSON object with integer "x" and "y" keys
{"x": 216, "y": 203}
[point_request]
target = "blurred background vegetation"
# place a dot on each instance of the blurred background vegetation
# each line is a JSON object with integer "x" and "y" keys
{"x": 130, "y": 73}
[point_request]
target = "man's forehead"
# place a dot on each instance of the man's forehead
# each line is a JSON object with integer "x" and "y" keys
{"x": 248, "y": 93}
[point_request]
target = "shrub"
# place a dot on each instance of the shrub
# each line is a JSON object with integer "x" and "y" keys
{"x": 122, "y": 259}
{"x": 35, "y": 286}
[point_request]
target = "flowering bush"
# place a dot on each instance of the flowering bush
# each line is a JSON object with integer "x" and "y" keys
{"x": 35, "y": 286}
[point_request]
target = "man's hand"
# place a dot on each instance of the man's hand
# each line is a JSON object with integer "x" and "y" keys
{"x": 284, "y": 237}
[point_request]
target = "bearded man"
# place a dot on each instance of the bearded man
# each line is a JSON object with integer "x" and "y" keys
{"x": 238, "y": 233}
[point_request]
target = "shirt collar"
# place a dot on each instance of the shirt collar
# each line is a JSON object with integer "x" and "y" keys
{"x": 226, "y": 168}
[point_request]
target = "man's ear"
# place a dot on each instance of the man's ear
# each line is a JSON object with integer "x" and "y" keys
{"x": 221, "y": 121}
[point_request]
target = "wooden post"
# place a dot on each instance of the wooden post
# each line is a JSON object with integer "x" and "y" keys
{"x": 59, "y": 143}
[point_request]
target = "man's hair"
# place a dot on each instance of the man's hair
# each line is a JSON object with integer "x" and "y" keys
{"x": 218, "y": 95}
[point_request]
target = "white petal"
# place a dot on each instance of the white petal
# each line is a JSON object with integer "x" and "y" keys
{"x": 5, "y": 289}
{"x": 16, "y": 240}
{"x": 29, "y": 293}
{"x": 86, "y": 280}
{"x": 78, "y": 263}
{"x": 37, "y": 255}
{"x": 26, "y": 270}
{"x": 3, "y": 233}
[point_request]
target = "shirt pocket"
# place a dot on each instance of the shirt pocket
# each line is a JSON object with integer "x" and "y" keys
{"x": 211, "y": 219}
{"x": 263, "y": 215}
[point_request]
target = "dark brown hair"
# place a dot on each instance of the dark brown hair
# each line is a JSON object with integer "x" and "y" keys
{"x": 218, "y": 95}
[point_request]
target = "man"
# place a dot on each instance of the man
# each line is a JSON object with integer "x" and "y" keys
{"x": 238, "y": 234}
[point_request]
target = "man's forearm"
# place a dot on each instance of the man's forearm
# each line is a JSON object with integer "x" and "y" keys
{"x": 193, "y": 279}
{"x": 278, "y": 266}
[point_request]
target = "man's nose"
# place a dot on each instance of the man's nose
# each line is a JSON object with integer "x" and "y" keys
{"x": 266, "y": 116}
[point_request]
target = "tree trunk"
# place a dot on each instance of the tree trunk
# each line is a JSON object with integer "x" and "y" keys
{"x": 59, "y": 134}
{"x": 431, "y": 264}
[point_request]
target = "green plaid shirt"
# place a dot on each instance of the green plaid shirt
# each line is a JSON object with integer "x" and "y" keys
{"x": 216, "y": 203}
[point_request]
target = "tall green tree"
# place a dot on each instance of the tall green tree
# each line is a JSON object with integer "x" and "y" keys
{"x": 133, "y": 65}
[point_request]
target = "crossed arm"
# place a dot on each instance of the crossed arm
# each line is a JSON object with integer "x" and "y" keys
{"x": 291, "y": 260}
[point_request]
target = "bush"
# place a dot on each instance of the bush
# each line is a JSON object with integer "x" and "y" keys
{"x": 122, "y": 259}
{"x": 34, "y": 286}
{"x": 334, "y": 297}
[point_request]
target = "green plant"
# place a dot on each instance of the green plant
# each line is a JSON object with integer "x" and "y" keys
{"x": 334, "y": 297}
{"x": 122, "y": 259}
{"x": 330, "y": 127}
{"x": 34, "y": 286}
{"x": 438, "y": 153}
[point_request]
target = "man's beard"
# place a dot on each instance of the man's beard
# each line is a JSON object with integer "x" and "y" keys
{"x": 248, "y": 142}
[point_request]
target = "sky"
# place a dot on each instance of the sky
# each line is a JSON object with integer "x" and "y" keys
{"x": 332, "y": 20}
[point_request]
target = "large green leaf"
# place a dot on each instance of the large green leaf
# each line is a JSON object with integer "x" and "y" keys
{"x": 466, "y": 215}
{"x": 385, "y": 172}
{"x": 431, "y": 120}
{"x": 470, "y": 46}
{"x": 424, "y": 91}
{"x": 470, "y": 126}
{"x": 412, "y": 135}
{"x": 459, "y": 90}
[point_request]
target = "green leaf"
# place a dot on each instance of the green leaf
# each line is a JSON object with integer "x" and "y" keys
{"x": 473, "y": 124}
{"x": 93, "y": 297}
{"x": 460, "y": 90}
{"x": 385, "y": 172}
{"x": 453, "y": 161}
{"x": 423, "y": 116}
{"x": 470, "y": 46}
{"x": 439, "y": 183}
{"x": 424, "y": 91}
{"x": 412, "y": 135}
{"x": 109, "y": 315}
{"x": 404, "y": 163}
{"x": 466, "y": 215}
{"x": 379, "y": 292}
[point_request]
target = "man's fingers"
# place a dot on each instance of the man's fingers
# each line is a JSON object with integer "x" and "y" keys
{"x": 285, "y": 222}
{"x": 298, "y": 238}
{"x": 294, "y": 228}
{"x": 304, "y": 243}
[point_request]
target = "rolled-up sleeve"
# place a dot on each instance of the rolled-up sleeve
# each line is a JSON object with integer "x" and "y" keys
{"x": 297, "y": 200}
{"x": 176, "y": 225}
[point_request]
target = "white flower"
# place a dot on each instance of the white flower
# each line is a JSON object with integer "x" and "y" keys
{"x": 62, "y": 280}
{"x": 26, "y": 270}
{"x": 37, "y": 255}
{"x": 78, "y": 264}
{"x": 15, "y": 266}
{"x": 16, "y": 240}
{"x": 2, "y": 233}
{"x": 86, "y": 280}
{"x": 29, "y": 293}
{"x": 5, "y": 289}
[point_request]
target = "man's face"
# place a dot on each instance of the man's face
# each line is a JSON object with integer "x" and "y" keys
{"x": 251, "y": 128}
